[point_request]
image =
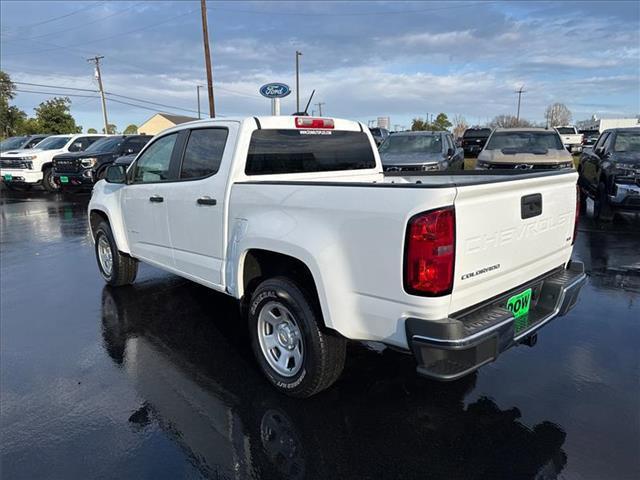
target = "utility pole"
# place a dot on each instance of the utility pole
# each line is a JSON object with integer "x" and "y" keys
{"x": 520, "y": 91}
{"x": 319, "y": 104}
{"x": 96, "y": 61}
{"x": 207, "y": 58}
{"x": 298, "y": 55}
{"x": 198, "y": 87}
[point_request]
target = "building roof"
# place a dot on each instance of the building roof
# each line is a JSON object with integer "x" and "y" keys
{"x": 177, "y": 118}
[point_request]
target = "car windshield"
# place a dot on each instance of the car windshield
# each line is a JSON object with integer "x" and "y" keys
{"x": 12, "y": 142}
{"x": 566, "y": 130}
{"x": 108, "y": 144}
{"x": 627, "y": 142}
{"x": 477, "y": 133}
{"x": 53, "y": 143}
{"x": 522, "y": 142}
{"x": 412, "y": 144}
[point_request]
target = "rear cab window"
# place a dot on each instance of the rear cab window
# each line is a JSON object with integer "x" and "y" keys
{"x": 279, "y": 151}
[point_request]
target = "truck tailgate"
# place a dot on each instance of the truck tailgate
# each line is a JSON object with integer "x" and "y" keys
{"x": 510, "y": 232}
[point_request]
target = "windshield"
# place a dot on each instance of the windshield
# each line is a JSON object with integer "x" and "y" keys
{"x": 566, "y": 130}
{"x": 108, "y": 144}
{"x": 477, "y": 133}
{"x": 53, "y": 143}
{"x": 627, "y": 142}
{"x": 412, "y": 144}
{"x": 524, "y": 141}
{"x": 12, "y": 142}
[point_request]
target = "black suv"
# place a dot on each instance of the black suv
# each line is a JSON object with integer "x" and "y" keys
{"x": 473, "y": 140}
{"x": 610, "y": 172}
{"x": 83, "y": 169}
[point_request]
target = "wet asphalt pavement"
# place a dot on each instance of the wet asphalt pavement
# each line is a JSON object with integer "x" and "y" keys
{"x": 157, "y": 380}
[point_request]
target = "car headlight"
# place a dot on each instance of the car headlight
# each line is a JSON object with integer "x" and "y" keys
{"x": 89, "y": 162}
{"x": 28, "y": 158}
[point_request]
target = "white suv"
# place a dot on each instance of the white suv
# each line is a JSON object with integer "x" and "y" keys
{"x": 32, "y": 166}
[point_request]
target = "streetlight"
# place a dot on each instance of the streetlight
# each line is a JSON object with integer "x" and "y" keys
{"x": 298, "y": 55}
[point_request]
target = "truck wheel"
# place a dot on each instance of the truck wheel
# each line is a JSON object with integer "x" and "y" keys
{"x": 297, "y": 357}
{"x": 116, "y": 268}
{"x": 602, "y": 209}
{"x": 47, "y": 181}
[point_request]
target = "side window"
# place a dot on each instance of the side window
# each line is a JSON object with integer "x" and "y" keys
{"x": 204, "y": 152}
{"x": 32, "y": 143}
{"x": 601, "y": 140}
{"x": 77, "y": 145}
{"x": 90, "y": 141}
{"x": 134, "y": 145}
{"x": 608, "y": 143}
{"x": 153, "y": 165}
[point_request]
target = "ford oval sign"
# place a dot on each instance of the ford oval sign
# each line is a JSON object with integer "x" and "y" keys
{"x": 275, "y": 90}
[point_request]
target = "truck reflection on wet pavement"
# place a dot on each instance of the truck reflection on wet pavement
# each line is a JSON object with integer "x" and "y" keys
{"x": 157, "y": 380}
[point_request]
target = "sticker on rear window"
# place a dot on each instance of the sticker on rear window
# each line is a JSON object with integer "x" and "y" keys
{"x": 315, "y": 132}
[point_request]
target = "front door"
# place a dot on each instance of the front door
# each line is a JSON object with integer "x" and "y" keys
{"x": 145, "y": 203}
{"x": 196, "y": 203}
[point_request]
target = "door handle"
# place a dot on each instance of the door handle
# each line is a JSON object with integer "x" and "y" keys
{"x": 156, "y": 199}
{"x": 206, "y": 201}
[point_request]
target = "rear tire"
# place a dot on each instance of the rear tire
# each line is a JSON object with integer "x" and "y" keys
{"x": 295, "y": 354}
{"x": 116, "y": 268}
{"x": 47, "y": 181}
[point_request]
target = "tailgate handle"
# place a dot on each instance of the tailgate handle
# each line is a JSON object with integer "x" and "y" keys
{"x": 531, "y": 206}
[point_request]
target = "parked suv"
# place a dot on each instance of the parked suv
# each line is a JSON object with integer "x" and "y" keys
{"x": 610, "y": 172}
{"x": 34, "y": 166}
{"x": 21, "y": 143}
{"x": 473, "y": 140}
{"x": 421, "y": 151}
{"x": 524, "y": 149}
{"x": 83, "y": 169}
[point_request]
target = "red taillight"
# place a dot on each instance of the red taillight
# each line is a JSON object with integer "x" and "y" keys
{"x": 430, "y": 253}
{"x": 577, "y": 217}
{"x": 308, "y": 122}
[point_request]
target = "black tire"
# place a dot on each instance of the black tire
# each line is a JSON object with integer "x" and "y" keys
{"x": 101, "y": 174}
{"x": 124, "y": 268}
{"x": 47, "y": 181}
{"x": 583, "y": 201}
{"x": 602, "y": 209}
{"x": 324, "y": 353}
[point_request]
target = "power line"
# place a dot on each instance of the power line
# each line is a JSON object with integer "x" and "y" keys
{"x": 88, "y": 7}
{"x": 65, "y": 94}
{"x": 147, "y": 101}
{"x": 54, "y": 86}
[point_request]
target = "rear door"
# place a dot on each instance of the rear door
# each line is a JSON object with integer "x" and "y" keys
{"x": 145, "y": 202}
{"x": 509, "y": 232}
{"x": 196, "y": 203}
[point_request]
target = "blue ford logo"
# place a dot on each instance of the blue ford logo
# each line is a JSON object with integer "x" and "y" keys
{"x": 275, "y": 90}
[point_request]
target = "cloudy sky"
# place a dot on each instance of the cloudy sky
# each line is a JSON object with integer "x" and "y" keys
{"x": 365, "y": 59}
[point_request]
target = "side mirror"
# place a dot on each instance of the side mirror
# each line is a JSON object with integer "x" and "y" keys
{"x": 116, "y": 174}
{"x": 599, "y": 151}
{"x": 450, "y": 152}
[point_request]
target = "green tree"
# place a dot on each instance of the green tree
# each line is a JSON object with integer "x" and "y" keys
{"x": 418, "y": 124}
{"x": 111, "y": 129}
{"x": 441, "y": 122}
{"x": 92, "y": 130}
{"x": 131, "y": 130}
{"x": 54, "y": 116}
{"x": 508, "y": 121}
{"x": 11, "y": 117}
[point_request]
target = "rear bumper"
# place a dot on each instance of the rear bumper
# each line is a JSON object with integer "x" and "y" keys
{"x": 627, "y": 196}
{"x": 454, "y": 347}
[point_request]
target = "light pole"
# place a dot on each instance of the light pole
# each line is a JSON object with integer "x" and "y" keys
{"x": 298, "y": 55}
{"x": 207, "y": 58}
{"x": 520, "y": 91}
{"x": 96, "y": 61}
{"x": 198, "y": 87}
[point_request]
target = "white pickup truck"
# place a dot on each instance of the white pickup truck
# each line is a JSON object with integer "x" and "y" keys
{"x": 31, "y": 166}
{"x": 294, "y": 217}
{"x": 571, "y": 139}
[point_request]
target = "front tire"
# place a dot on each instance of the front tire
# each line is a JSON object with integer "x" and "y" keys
{"x": 47, "y": 181}
{"x": 602, "y": 210}
{"x": 116, "y": 268}
{"x": 296, "y": 355}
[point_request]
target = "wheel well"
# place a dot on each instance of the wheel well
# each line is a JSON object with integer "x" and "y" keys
{"x": 46, "y": 165}
{"x": 260, "y": 265}
{"x": 95, "y": 217}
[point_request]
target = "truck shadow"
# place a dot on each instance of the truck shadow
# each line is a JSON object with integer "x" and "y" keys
{"x": 186, "y": 351}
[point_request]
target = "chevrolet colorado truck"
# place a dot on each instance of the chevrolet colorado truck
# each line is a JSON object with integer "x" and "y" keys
{"x": 28, "y": 167}
{"x": 295, "y": 218}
